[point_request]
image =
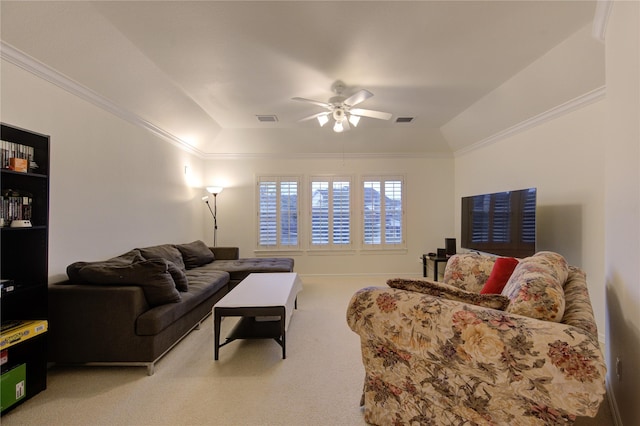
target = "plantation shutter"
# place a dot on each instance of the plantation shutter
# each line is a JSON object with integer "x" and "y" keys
{"x": 278, "y": 212}
{"x": 330, "y": 212}
{"x": 383, "y": 212}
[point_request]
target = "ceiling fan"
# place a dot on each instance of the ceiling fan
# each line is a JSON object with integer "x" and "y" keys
{"x": 342, "y": 110}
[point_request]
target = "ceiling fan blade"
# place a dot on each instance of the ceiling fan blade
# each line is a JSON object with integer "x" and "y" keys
{"x": 371, "y": 114}
{"x": 356, "y": 98}
{"x": 345, "y": 125}
{"x": 311, "y": 101}
{"x": 312, "y": 116}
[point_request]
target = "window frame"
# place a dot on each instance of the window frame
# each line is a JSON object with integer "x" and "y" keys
{"x": 383, "y": 211}
{"x": 331, "y": 244}
{"x": 278, "y": 180}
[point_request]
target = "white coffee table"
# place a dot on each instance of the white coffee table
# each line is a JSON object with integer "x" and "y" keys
{"x": 265, "y": 301}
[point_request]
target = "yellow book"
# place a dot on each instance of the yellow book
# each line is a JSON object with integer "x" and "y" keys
{"x": 14, "y": 332}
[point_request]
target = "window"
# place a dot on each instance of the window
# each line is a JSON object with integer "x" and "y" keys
{"x": 383, "y": 212}
{"x": 278, "y": 212}
{"x": 330, "y": 212}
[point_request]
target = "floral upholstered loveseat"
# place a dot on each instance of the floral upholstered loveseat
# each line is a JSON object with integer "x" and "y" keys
{"x": 444, "y": 354}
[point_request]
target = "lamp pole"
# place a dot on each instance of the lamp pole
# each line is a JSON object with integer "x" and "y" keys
{"x": 214, "y": 190}
{"x": 215, "y": 220}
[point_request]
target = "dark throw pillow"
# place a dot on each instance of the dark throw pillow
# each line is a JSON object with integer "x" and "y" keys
{"x": 444, "y": 291}
{"x": 195, "y": 254}
{"x": 500, "y": 274}
{"x": 179, "y": 277}
{"x": 164, "y": 251}
{"x": 152, "y": 275}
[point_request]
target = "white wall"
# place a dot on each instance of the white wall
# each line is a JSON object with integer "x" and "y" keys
{"x": 114, "y": 186}
{"x": 429, "y": 195}
{"x": 622, "y": 213}
{"x": 571, "y": 69}
{"x": 563, "y": 160}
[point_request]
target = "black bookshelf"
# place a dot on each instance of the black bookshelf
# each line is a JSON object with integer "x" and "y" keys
{"x": 24, "y": 256}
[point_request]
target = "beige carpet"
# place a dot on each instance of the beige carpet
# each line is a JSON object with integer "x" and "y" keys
{"x": 318, "y": 384}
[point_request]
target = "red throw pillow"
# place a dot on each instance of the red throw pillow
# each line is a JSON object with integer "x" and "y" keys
{"x": 500, "y": 274}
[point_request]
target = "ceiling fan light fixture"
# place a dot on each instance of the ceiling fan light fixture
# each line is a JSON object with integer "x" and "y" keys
{"x": 341, "y": 109}
{"x": 323, "y": 119}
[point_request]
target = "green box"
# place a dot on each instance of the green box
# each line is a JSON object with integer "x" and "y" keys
{"x": 13, "y": 386}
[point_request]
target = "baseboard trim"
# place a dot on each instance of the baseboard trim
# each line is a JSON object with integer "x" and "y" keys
{"x": 613, "y": 405}
{"x": 365, "y": 274}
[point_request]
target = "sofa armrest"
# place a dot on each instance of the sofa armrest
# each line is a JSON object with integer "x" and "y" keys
{"x": 452, "y": 360}
{"x": 225, "y": 253}
{"x": 93, "y": 323}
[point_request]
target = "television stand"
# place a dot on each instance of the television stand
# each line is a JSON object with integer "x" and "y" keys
{"x": 435, "y": 260}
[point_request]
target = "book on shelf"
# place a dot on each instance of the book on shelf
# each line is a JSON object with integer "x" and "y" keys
{"x": 9, "y": 150}
{"x": 16, "y": 205}
{"x": 15, "y": 331}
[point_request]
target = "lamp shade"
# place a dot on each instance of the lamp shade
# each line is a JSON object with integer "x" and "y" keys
{"x": 215, "y": 190}
{"x": 323, "y": 119}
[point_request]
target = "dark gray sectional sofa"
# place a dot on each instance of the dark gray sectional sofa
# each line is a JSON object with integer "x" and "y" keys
{"x": 132, "y": 309}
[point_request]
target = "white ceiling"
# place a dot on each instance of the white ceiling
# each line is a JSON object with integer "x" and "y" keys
{"x": 203, "y": 70}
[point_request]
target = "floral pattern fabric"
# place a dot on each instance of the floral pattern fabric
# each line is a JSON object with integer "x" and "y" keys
{"x": 536, "y": 287}
{"x": 431, "y": 361}
{"x": 468, "y": 271}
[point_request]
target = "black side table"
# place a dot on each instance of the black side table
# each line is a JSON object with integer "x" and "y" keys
{"x": 435, "y": 260}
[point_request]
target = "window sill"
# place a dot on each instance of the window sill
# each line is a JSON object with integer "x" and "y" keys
{"x": 274, "y": 252}
{"x": 396, "y": 251}
{"x": 330, "y": 252}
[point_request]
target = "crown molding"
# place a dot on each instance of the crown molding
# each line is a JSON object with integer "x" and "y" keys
{"x": 552, "y": 114}
{"x": 601, "y": 18}
{"x": 27, "y": 63}
{"x": 24, "y": 61}
{"x": 328, "y": 155}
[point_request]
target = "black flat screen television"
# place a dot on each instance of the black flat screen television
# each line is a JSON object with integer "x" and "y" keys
{"x": 502, "y": 223}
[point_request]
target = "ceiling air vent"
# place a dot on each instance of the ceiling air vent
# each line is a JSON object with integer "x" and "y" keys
{"x": 267, "y": 118}
{"x": 404, "y": 119}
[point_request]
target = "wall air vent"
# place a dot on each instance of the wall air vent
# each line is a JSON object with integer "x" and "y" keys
{"x": 267, "y": 118}
{"x": 404, "y": 119}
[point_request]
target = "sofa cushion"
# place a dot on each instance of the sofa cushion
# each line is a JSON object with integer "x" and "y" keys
{"x": 195, "y": 254}
{"x": 536, "y": 287}
{"x": 468, "y": 271}
{"x": 500, "y": 274}
{"x": 202, "y": 285}
{"x": 493, "y": 301}
{"x": 124, "y": 259}
{"x": 152, "y": 275}
{"x": 238, "y": 269}
{"x": 164, "y": 251}
{"x": 179, "y": 277}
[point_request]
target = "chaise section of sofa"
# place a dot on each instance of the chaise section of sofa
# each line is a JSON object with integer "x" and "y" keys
{"x": 227, "y": 259}
{"x": 132, "y": 309}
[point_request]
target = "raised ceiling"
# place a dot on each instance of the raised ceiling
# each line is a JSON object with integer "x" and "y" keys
{"x": 202, "y": 71}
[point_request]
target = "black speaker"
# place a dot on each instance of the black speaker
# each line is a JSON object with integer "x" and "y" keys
{"x": 450, "y": 246}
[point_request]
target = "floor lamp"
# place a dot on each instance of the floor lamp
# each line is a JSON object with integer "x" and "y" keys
{"x": 214, "y": 190}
